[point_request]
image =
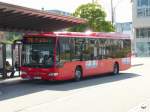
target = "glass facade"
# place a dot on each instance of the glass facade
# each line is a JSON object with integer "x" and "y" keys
{"x": 143, "y": 46}
{"x": 143, "y": 8}
{"x": 142, "y": 33}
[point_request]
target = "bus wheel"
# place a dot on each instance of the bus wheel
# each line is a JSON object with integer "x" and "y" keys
{"x": 116, "y": 69}
{"x": 78, "y": 74}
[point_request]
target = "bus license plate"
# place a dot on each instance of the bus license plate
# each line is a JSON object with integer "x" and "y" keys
{"x": 37, "y": 78}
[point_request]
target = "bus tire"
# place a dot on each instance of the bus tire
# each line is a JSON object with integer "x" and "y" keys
{"x": 78, "y": 74}
{"x": 116, "y": 69}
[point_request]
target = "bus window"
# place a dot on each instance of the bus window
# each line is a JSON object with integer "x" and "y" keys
{"x": 78, "y": 49}
{"x": 38, "y": 54}
{"x": 127, "y": 47}
{"x": 65, "y": 54}
{"x": 93, "y": 49}
{"x": 85, "y": 53}
{"x": 101, "y": 53}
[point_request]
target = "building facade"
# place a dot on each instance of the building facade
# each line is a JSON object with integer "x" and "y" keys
{"x": 141, "y": 25}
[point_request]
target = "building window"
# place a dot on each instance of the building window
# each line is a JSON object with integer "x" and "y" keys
{"x": 143, "y": 8}
{"x": 143, "y": 33}
{"x": 143, "y": 3}
{"x": 143, "y": 12}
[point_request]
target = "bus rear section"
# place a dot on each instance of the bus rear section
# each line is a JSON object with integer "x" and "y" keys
{"x": 73, "y": 56}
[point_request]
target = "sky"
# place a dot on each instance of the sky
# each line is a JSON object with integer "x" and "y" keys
{"x": 123, "y": 9}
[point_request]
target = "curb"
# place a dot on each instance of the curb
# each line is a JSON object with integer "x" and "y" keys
{"x": 10, "y": 79}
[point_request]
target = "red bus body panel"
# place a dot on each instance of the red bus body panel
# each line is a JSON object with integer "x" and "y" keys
{"x": 67, "y": 71}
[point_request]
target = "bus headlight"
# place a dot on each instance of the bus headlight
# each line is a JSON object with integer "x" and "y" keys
{"x": 53, "y": 74}
{"x": 23, "y": 72}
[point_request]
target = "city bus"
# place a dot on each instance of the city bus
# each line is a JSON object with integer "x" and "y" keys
{"x": 74, "y": 55}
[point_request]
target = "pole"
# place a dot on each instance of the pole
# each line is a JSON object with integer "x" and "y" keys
{"x": 112, "y": 13}
{"x": 4, "y": 61}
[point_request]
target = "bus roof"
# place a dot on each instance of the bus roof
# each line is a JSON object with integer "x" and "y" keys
{"x": 112, "y": 35}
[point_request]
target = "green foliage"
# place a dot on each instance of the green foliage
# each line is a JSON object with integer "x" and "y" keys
{"x": 95, "y": 17}
{"x": 11, "y": 37}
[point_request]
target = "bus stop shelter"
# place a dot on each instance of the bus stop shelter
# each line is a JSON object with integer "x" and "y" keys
{"x": 21, "y": 19}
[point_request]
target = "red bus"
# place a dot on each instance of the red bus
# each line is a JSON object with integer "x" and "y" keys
{"x": 64, "y": 56}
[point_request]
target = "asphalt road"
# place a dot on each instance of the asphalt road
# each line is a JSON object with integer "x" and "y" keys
{"x": 127, "y": 92}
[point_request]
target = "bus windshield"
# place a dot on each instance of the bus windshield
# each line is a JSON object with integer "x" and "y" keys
{"x": 38, "y": 54}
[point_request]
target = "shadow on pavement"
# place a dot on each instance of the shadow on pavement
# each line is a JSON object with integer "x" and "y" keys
{"x": 16, "y": 88}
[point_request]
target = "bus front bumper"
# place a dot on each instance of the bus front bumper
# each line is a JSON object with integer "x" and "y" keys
{"x": 50, "y": 76}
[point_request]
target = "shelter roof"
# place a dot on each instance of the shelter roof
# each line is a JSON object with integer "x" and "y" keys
{"x": 18, "y": 18}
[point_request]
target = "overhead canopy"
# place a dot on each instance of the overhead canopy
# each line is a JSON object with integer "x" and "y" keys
{"x": 17, "y": 18}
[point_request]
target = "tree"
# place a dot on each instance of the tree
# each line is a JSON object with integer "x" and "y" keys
{"x": 95, "y": 17}
{"x": 10, "y": 37}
